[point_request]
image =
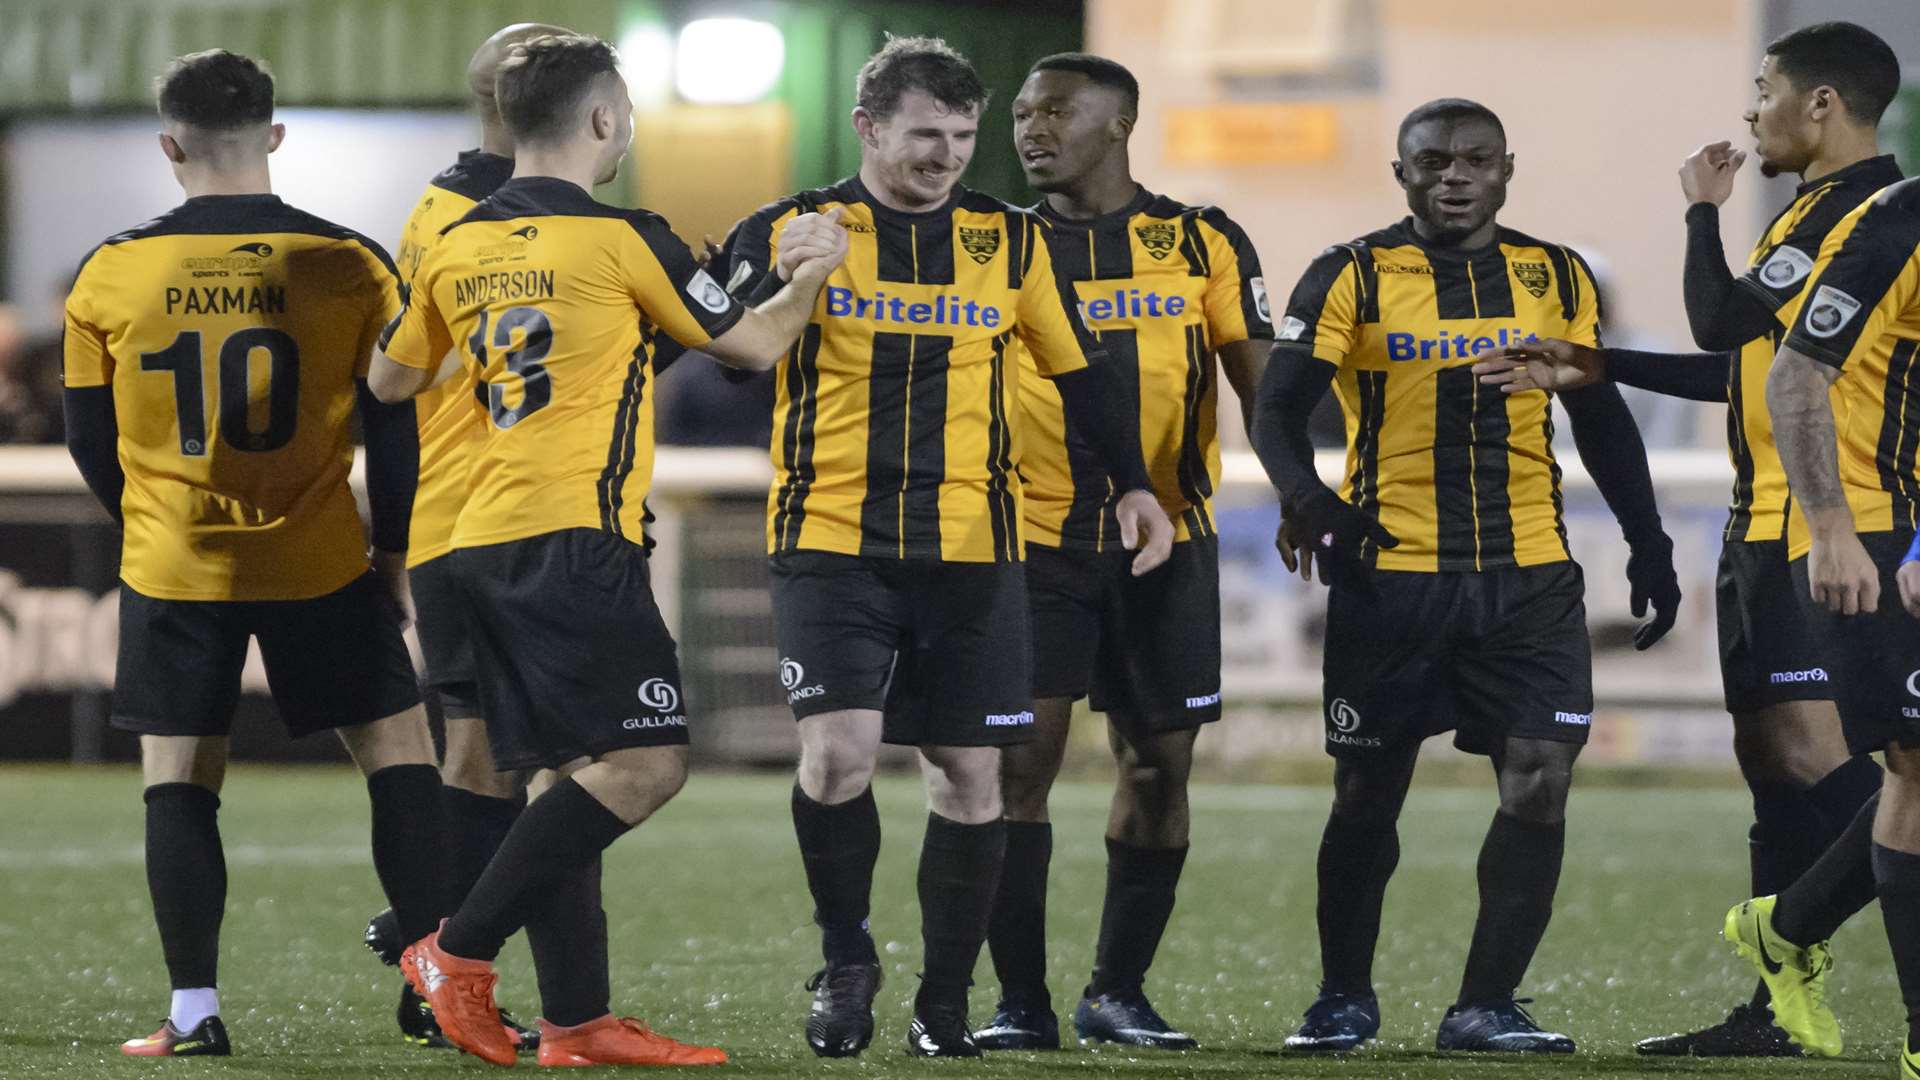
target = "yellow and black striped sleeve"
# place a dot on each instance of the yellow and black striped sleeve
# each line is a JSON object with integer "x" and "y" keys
{"x": 419, "y": 338}
{"x": 680, "y": 297}
{"x": 748, "y": 258}
{"x": 1866, "y": 279}
{"x": 1048, "y": 322}
{"x": 1776, "y": 274}
{"x": 1236, "y": 296}
{"x": 1326, "y": 309}
{"x": 1584, "y": 327}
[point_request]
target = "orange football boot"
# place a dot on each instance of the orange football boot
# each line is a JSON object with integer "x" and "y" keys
{"x": 624, "y": 1041}
{"x": 461, "y": 994}
{"x": 209, "y": 1038}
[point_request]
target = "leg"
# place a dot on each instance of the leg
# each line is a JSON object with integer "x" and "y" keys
{"x": 1896, "y": 870}
{"x": 1519, "y": 865}
{"x": 838, "y": 826}
{"x": 186, "y": 865}
{"x": 1017, "y": 929}
{"x": 1358, "y": 853}
{"x": 481, "y": 801}
{"x": 395, "y": 754}
{"x": 959, "y": 868}
{"x": 1146, "y": 848}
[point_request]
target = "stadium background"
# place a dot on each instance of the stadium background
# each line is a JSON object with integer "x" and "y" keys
{"x": 1282, "y": 111}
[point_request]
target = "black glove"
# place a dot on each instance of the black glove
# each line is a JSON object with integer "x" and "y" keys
{"x": 1650, "y": 573}
{"x": 1329, "y": 526}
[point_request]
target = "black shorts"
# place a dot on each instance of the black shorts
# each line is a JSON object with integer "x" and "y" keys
{"x": 1146, "y": 649}
{"x": 942, "y": 648}
{"x": 1876, "y": 658}
{"x": 333, "y": 661}
{"x": 444, "y": 625}
{"x": 1770, "y": 651}
{"x": 1488, "y": 654}
{"x": 571, "y": 657}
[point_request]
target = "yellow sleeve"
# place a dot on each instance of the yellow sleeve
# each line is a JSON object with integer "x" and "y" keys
{"x": 85, "y": 360}
{"x": 1236, "y": 296}
{"x": 1867, "y": 277}
{"x": 673, "y": 290}
{"x": 418, "y": 337}
{"x": 1047, "y": 317}
{"x": 1323, "y": 314}
{"x": 386, "y": 307}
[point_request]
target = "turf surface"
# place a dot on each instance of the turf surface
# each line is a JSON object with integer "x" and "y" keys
{"x": 711, "y": 937}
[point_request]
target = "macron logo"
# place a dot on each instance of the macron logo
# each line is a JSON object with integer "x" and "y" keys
{"x": 1809, "y": 675}
{"x": 1009, "y": 719}
{"x": 1204, "y": 701}
{"x": 1577, "y": 719}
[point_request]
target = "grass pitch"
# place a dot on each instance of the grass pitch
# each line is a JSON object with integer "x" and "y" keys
{"x": 711, "y": 939}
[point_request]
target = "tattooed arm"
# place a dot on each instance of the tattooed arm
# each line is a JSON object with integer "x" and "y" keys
{"x": 1841, "y": 575}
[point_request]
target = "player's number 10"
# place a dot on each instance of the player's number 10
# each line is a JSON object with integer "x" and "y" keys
{"x": 183, "y": 358}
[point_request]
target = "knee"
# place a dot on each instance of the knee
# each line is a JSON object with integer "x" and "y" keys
{"x": 1154, "y": 770}
{"x": 1026, "y": 778}
{"x": 1536, "y": 791}
{"x": 965, "y": 786}
{"x": 468, "y": 763}
{"x": 833, "y": 772}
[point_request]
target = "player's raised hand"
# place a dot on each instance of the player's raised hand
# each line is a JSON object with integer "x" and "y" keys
{"x": 709, "y": 251}
{"x": 1138, "y": 510}
{"x": 1707, "y": 174}
{"x": 1548, "y": 364}
{"x": 811, "y": 238}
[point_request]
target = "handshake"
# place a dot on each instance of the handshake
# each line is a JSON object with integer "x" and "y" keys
{"x": 812, "y": 246}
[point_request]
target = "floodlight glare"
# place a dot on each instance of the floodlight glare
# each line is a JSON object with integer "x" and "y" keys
{"x": 646, "y": 62}
{"x": 728, "y": 61}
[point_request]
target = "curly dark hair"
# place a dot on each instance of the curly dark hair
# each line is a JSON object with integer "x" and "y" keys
{"x": 927, "y": 64}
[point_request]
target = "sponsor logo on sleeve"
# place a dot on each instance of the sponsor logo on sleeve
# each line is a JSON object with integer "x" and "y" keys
{"x": 740, "y": 275}
{"x": 1830, "y": 311}
{"x": 1291, "y": 328}
{"x": 1258, "y": 286}
{"x": 1786, "y": 266}
{"x": 707, "y": 293}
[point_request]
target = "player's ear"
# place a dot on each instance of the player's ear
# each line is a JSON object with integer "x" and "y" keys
{"x": 1399, "y": 173}
{"x": 276, "y": 135}
{"x": 1506, "y": 168}
{"x": 1122, "y": 127}
{"x": 1821, "y": 102}
{"x": 171, "y": 148}
{"x": 863, "y": 124}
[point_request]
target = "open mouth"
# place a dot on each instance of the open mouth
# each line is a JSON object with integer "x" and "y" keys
{"x": 933, "y": 176}
{"x": 1035, "y": 156}
{"x": 1459, "y": 204}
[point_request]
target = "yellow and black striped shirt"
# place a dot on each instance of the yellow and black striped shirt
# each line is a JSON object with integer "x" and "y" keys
{"x": 895, "y": 426}
{"x": 556, "y": 303}
{"x": 1461, "y": 473}
{"x": 1777, "y": 272}
{"x": 232, "y": 330}
{"x": 1860, "y": 312}
{"x": 1161, "y": 285}
{"x": 452, "y": 423}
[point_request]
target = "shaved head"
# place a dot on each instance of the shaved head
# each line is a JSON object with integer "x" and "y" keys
{"x": 484, "y": 68}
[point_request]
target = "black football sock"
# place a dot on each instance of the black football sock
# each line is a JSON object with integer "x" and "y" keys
{"x": 1897, "y": 874}
{"x": 1357, "y": 857}
{"x": 1017, "y": 930}
{"x": 1786, "y": 837}
{"x": 410, "y": 846}
{"x": 1519, "y": 871}
{"x": 568, "y": 937}
{"x": 1840, "y": 794}
{"x": 959, "y": 873}
{"x": 475, "y": 826}
{"x": 557, "y": 836}
{"x": 1836, "y": 886}
{"x": 187, "y": 877}
{"x": 1140, "y": 886}
{"x": 839, "y": 844}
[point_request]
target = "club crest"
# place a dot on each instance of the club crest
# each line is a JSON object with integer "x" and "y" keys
{"x": 1533, "y": 276}
{"x": 980, "y": 244}
{"x": 1158, "y": 238}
